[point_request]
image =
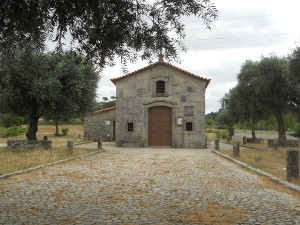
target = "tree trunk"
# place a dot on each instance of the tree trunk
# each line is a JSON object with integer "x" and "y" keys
{"x": 253, "y": 131}
{"x": 281, "y": 131}
{"x": 33, "y": 122}
{"x": 56, "y": 127}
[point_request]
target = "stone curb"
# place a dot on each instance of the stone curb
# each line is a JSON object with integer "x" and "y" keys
{"x": 5, "y": 176}
{"x": 246, "y": 146}
{"x": 259, "y": 172}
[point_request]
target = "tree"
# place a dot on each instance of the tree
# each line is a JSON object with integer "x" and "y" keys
{"x": 225, "y": 118}
{"x": 105, "y": 99}
{"x": 101, "y": 29}
{"x": 46, "y": 85}
{"x": 77, "y": 91}
{"x": 294, "y": 77}
{"x": 272, "y": 90}
{"x": 242, "y": 102}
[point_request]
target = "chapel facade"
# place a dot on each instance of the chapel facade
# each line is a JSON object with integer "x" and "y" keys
{"x": 158, "y": 105}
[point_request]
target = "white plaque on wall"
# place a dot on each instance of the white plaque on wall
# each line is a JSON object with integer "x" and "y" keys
{"x": 107, "y": 122}
{"x": 179, "y": 120}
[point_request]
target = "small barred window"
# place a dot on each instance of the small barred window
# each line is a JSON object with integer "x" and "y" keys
{"x": 160, "y": 86}
{"x": 130, "y": 126}
{"x": 189, "y": 126}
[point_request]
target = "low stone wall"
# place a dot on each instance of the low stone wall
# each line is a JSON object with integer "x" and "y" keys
{"x": 29, "y": 144}
{"x": 255, "y": 141}
{"x": 287, "y": 143}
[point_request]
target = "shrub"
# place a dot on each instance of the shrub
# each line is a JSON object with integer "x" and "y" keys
{"x": 9, "y": 120}
{"x": 222, "y": 134}
{"x": 207, "y": 142}
{"x": 297, "y": 130}
{"x": 15, "y": 131}
{"x": 210, "y": 122}
{"x": 210, "y": 131}
{"x": 64, "y": 131}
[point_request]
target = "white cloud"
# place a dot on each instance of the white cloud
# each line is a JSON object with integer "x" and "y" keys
{"x": 244, "y": 30}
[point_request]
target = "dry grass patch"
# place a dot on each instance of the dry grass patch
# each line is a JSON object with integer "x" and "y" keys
{"x": 273, "y": 162}
{"x": 216, "y": 214}
{"x": 13, "y": 160}
{"x": 48, "y": 130}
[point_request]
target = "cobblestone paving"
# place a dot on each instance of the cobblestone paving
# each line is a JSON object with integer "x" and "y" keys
{"x": 146, "y": 186}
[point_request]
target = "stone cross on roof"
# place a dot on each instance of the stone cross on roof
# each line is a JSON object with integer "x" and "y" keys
{"x": 160, "y": 56}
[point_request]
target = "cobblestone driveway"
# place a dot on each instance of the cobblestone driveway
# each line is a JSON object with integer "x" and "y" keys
{"x": 146, "y": 186}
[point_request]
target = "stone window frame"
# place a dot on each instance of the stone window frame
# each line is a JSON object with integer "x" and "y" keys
{"x": 154, "y": 86}
{"x": 189, "y": 126}
{"x": 160, "y": 87}
{"x": 130, "y": 127}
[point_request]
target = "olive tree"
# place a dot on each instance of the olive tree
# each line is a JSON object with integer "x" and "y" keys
{"x": 56, "y": 86}
{"x": 102, "y": 29}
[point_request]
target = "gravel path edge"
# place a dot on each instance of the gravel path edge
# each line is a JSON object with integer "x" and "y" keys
{"x": 262, "y": 173}
{"x": 5, "y": 176}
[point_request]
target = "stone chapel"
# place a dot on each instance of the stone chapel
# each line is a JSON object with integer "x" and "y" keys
{"x": 158, "y": 105}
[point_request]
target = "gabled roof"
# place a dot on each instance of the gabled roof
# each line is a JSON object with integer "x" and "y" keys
{"x": 164, "y": 63}
{"x": 104, "y": 110}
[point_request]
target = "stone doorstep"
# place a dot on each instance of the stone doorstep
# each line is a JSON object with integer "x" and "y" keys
{"x": 284, "y": 183}
{"x": 5, "y": 176}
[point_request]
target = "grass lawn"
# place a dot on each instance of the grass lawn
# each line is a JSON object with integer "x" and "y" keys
{"x": 273, "y": 162}
{"x": 49, "y": 130}
{"x": 13, "y": 160}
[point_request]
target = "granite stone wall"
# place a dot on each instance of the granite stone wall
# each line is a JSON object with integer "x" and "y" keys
{"x": 184, "y": 94}
{"x": 100, "y": 125}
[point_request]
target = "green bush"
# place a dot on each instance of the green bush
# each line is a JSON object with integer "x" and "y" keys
{"x": 210, "y": 122}
{"x": 15, "y": 131}
{"x": 297, "y": 130}
{"x": 9, "y": 120}
{"x": 222, "y": 134}
{"x": 64, "y": 131}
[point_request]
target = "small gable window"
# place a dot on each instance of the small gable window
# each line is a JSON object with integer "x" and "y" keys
{"x": 189, "y": 126}
{"x": 130, "y": 126}
{"x": 160, "y": 86}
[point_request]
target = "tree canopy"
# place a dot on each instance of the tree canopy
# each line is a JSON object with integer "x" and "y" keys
{"x": 101, "y": 29}
{"x": 242, "y": 102}
{"x": 57, "y": 86}
{"x": 294, "y": 77}
{"x": 265, "y": 88}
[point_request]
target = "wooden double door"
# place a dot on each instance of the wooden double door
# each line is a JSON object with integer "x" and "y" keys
{"x": 160, "y": 126}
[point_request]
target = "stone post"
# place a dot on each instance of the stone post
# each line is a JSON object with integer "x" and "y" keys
{"x": 217, "y": 146}
{"x": 45, "y": 138}
{"x": 244, "y": 140}
{"x": 236, "y": 149}
{"x": 70, "y": 145}
{"x": 99, "y": 142}
{"x": 292, "y": 164}
{"x": 275, "y": 145}
{"x": 228, "y": 139}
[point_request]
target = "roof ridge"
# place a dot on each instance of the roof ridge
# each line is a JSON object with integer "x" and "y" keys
{"x": 104, "y": 110}
{"x": 165, "y": 63}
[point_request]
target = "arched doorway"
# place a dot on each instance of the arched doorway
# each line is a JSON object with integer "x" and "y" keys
{"x": 160, "y": 126}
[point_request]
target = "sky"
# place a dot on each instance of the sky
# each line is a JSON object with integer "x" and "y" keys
{"x": 244, "y": 30}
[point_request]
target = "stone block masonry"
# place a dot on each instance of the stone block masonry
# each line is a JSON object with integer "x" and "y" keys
{"x": 292, "y": 164}
{"x": 29, "y": 144}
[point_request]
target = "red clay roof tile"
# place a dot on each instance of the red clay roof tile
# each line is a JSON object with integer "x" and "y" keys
{"x": 165, "y": 63}
{"x": 104, "y": 110}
